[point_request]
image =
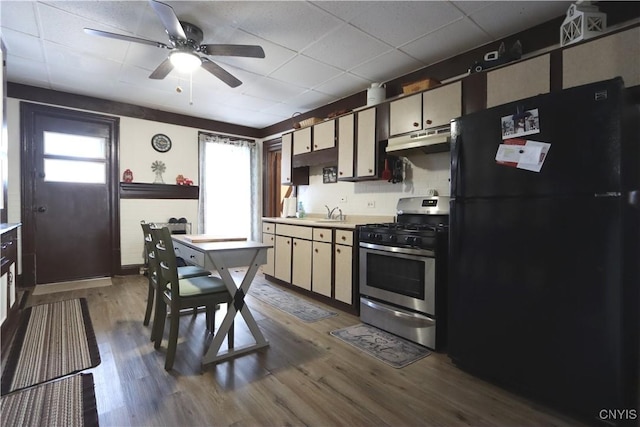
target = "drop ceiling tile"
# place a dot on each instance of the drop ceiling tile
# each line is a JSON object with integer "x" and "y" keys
{"x": 271, "y": 89}
{"x": 345, "y": 47}
{"x": 309, "y": 100}
{"x": 344, "y": 10}
{"x": 471, "y": 6}
{"x": 516, "y": 16}
{"x": 343, "y": 85}
{"x": 63, "y": 63}
{"x": 71, "y": 34}
{"x": 251, "y": 103}
{"x": 292, "y": 24}
{"x": 283, "y": 110}
{"x": 387, "y": 66}
{"x": 27, "y": 71}
{"x": 23, "y": 45}
{"x": 19, "y": 16}
{"x": 399, "y": 22}
{"x": 123, "y": 15}
{"x": 448, "y": 41}
{"x": 304, "y": 72}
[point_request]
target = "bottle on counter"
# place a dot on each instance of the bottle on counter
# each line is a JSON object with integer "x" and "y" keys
{"x": 300, "y": 213}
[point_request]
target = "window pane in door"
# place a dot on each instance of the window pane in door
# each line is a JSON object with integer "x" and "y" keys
{"x": 75, "y": 171}
{"x": 63, "y": 144}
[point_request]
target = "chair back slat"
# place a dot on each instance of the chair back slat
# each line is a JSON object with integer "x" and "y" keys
{"x": 166, "y": 260}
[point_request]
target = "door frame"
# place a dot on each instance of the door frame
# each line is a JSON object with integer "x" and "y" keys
{"x": 270, "y": 178}
{"x": 28, "y": 113}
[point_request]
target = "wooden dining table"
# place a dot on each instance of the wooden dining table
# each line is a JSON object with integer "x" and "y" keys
{"x": 221, "y": 254}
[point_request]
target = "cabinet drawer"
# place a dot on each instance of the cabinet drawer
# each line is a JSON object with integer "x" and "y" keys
{"x": 294, "y": 231}
{"x": 268, "y": 227}
{"x": 344, "y": 237}
{"x": 191, "y": 256}
{"x": 322, "y": 235}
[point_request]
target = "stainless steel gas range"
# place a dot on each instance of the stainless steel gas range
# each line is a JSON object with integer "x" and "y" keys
{"x": 403, "y": 271}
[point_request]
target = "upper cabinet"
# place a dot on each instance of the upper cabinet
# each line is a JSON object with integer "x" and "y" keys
{"x": 603, "y": 59}
{"x": 324, "y": 135}
{"x": 433, "y": 108}
{"x": 346, "y": 145}
{"x": 405, "y": 115}
{"x": 518, "y": 81}
{"x": 286, "y": 172}
{"x": 366, "y": 144}
{"x": 441, "y": 104}
{"x": 302, "y": 141}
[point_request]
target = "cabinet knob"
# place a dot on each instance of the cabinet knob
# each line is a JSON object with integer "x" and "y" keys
{"x": 315, "y": 145}
{"x": 321, "y": 235}
{"x": 343, "y": 238}
{"x": 429, "y": 122}
{"x": 287, "y": 242}
{"x": 295, "y": 244}
{"x": 315, "y": 250}
{"x": 340, "y": 173}
{"x": 307, "y": 147}
{"x": 416, "y": 124}
{"x": 288, "y": 179}
{"x": 370, "y": 170}
{"x": 338, "y": 250}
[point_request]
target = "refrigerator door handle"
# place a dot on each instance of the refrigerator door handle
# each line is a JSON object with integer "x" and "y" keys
{"x": 455, "y": 167}
{"x": 634, "y": 198}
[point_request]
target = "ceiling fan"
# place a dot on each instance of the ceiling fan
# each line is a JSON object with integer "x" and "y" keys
{"x": 185, "y": 39}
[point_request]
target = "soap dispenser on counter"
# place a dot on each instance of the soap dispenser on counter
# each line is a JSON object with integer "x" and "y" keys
{"x": 300, "y": 213}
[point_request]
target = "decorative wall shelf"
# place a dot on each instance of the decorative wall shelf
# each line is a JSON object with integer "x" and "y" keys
{"x": 139, "y": 190}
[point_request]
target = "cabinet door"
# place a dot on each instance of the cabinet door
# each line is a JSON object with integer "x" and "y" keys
{"x": 321, "y": 275}
{"x": 366, "y": 143}
{"x": 603, "y": 59}
{"x": 269, "y": 267}
{"x": 4, "y": 303}
{"x": 343, "y": 273}
{"x": 441, "y": 104}
{"x": 324, "y": 135}
{"x": 286, "y": 172}
{"x": 301, "y": 275}
{"x": 405, "y": 115}
{"x": 302, "y": 141}
{"x": 282, "y": 259}
{"x": 518, "y": 81}
{"x": 346, "y": 139}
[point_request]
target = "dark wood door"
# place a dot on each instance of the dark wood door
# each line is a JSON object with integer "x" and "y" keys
{"x": 71, "y": 196}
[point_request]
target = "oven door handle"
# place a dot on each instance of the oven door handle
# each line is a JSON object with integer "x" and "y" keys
{"x": 393, "y": 249}
{"x": 398, "y": 313}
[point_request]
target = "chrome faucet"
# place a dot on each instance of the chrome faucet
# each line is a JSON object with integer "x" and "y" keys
{"x": 330, "y": 212}
{"x": 340, "y": 217}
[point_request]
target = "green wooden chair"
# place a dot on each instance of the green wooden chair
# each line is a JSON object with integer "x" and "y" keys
{"x": 151, "y": 264}
{"x": 178, "y": 294}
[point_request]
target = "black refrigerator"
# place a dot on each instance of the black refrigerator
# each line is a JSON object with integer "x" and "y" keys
{"x": 544, "y": 265}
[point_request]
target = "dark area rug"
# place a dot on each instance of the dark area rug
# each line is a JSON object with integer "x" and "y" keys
{"x": 70, "y": 401}
{"x": 388, "y": 348}
{"x": 52, "y": 341}
{"x": 289, "y": 303}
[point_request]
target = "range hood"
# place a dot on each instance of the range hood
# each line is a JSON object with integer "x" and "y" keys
{"x": 429, "y": 141}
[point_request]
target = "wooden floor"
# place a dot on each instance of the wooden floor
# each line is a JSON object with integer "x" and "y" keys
{"x": 305, "y": 378}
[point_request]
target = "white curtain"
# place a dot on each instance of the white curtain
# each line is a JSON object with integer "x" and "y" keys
{"x": 229, "y": 196}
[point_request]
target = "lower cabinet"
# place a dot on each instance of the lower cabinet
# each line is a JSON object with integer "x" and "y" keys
{"x": 270, "y": 266}
{"x": 301, "y": 268}
{"x": 343, "y": 254}
{"x": 321, "y": 275}
{"x": 282, "y": 258}
{"x": 319, "y": 260}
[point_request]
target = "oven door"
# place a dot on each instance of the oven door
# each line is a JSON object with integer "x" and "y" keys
{"x": 400, "y": 276}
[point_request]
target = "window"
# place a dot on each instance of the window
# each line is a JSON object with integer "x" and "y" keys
{"x": 228, "y": 187}
{"x": 74, "y": 158}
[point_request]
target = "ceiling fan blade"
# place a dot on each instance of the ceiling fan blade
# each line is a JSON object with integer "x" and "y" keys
{"x": 169, "y": 19}
{"x": 162, "y": 71}
{"x": 124, "y": 38}
{"x": 249, "y": 51}
{"x": 220, "y": 73}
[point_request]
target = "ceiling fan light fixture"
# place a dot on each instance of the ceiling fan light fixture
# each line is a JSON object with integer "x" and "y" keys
{"x": 185, "y": 61}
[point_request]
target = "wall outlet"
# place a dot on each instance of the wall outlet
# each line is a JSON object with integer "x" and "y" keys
{"x": 371, "y": 204}
{"x": 343, "y": 199}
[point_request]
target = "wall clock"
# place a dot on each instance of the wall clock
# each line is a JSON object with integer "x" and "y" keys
{"x": 161, "y": 143}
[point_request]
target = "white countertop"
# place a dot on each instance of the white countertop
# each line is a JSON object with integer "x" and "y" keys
{"x": 314, "y": 220}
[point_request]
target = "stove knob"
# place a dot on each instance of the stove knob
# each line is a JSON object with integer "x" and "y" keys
{"x": 378, "y": 237}
{"x": 417, "y": 240}
{"x": 370, "y": 236}
{"x": 409, "y": 240}
{"x": 393, "y": 238}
